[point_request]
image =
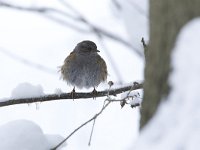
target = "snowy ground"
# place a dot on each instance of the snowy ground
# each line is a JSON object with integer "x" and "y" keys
{"x": 28, "y": 39}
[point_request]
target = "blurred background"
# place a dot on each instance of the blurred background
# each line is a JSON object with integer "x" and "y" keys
{"x": 35, "y": 38}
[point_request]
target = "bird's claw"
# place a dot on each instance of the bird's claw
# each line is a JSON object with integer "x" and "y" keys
{"x": 73, "y": 92}
{"x": 94, "y": 93}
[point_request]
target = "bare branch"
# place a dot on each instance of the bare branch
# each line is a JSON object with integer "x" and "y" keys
{"x": 144, "y": 46}
{"x": 80, "y": 19}
{"x": 89, "y": 143}
{"x": 65, "y": 23}
{"x": 26, "y": 61}
{"x": 37, "y": 9}
{"x": 106, "y": 103}
{"x": 134, "y": 5}
{"x": 91, "y": 119}
{"x": 126, "y": 100}
{"x": 111, "y": 60}
{"x": 138, "y": 8}
{"x": 143, "y": 43}
{"x": 46, "y": 12}
{"x": 53, "y": 97}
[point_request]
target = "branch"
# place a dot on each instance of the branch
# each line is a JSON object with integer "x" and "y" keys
{"x": 110, "y": 58}
{"x": 100, "y": 112}
{"x": 138, "y": 8}
{"x": 100, "y": 31}
{"x": 53, "y": 97}
{"x": 79, "y": 18}
{"x": 144, "y": 46}
{"x": 91, "y": 119}
{"x": 26, "y": 61}
{"x": 143, "y": 43}
{"x": 46, "y": 11}
{"x": 37, "y": 9}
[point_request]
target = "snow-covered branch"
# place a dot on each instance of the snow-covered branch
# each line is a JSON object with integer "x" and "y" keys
{"x": 52, "y": 97}
{"x": 105, "y": 105}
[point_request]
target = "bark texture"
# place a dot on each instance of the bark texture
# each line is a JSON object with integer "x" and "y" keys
{"x": 166, "y": 20}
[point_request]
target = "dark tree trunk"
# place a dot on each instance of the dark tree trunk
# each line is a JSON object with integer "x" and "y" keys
{"x": 167, "y": 17}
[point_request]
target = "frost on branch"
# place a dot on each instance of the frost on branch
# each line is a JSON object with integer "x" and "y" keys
{"x": 37, "y": 95}
{"x": 27, "y": 90}
{"x": 131, "y": 98}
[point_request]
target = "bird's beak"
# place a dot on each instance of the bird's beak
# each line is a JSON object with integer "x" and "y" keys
{"x": 97, "y": 50}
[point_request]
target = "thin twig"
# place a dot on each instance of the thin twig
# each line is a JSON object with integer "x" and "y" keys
{"x": 144, "y": 46}
{"x": 123, "y": 101}
{"x": 80, "y": 19}
{"x": 65, "y": 23}
{"x": 89, "y": 143}
{"x": 110, "y": 58}
{"x": 143, "y": 43}
{"x": 26, "y": 61}
{"x": 100, "y": 31}
{"x": 91, "y": 119}
{"x": 37, "y": 9}
{"x": 105, "y": 105}
{"x": 138, "y": 8}
{"x": 53, "y": 97}
{"x": 110, "y": 83}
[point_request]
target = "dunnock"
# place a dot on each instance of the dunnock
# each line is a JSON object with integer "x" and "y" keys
{"x": 84, "y": 67}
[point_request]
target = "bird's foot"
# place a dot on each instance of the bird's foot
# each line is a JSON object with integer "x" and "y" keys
{"x": 94, "y": 93}
{"x": 73, "y": 93}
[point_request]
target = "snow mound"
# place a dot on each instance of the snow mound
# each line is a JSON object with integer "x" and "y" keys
{"x": 26, "y": 135}
{"x": 27, "y": 90}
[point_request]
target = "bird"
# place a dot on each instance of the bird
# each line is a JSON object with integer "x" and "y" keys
{"x": 84, "y": 67}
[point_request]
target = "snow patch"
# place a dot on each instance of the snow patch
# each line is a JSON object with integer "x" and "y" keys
{"x": 133, "y": 98}
{"x": 26, "y": 135}
{"x": 27, "y": 90}
{"x": 176, "y": 124}
{"x": 55, "y": 140}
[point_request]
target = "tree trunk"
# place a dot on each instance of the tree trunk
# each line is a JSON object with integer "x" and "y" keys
{"x": 166, "y": 20}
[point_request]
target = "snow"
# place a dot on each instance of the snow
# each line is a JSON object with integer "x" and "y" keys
{"x": 25, "y": 135}
{"x": 136, "y": 98}
{"x": 53, "y": 141}
{"x": 133, "y": 98}
{"x": 34, "y": 39}
{"x": 58, "y": 91}
{"x": 176, "y": 124}
{"x": 27, "y": 90}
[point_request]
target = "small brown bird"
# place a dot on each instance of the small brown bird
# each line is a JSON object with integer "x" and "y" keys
{"x": 84, "y": 67}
